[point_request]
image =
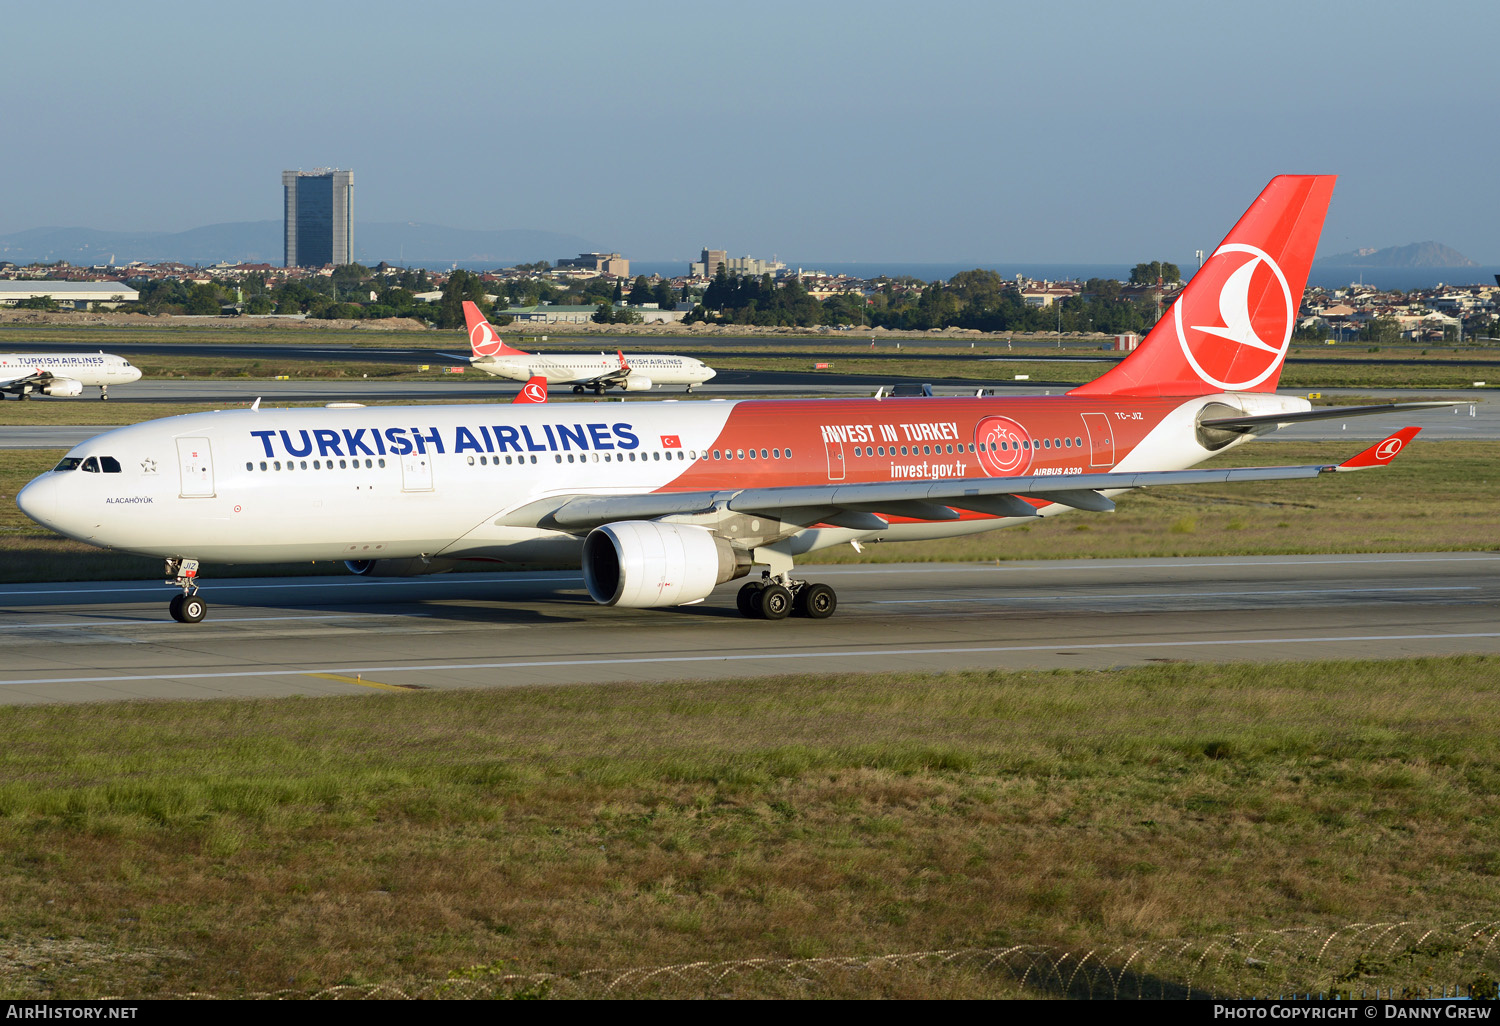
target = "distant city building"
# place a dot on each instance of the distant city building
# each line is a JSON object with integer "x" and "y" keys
{"x": 319, "y": 210}
{"x": 708, "y": 266}
{"x": 80, "y": 295}
{"x": 599, "y": 263}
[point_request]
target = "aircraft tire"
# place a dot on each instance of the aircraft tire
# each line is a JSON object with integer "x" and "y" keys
{"x": 745, "y": 600}
{"x": 816, "y": 602}
{"x": 578, "y": 390}
{"x": 774, "y": 602}
{"x": 175, "y": 607}
{"x": 194, "y": 609}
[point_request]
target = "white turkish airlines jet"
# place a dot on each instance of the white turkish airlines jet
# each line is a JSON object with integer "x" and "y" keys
{"x": 581, "y": 370}
{"x": 63, "y": 374}
{"x": 661, "y": 502}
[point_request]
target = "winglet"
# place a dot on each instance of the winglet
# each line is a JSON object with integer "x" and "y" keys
{"x": 1382, "y": 452}
{"x": 483, "y": 339}
{"x": 534, "y": 391}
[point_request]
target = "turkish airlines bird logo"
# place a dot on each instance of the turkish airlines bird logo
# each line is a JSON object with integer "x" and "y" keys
{"x": 535, "y": 393}
{"x": 484, "y": 340}
{"x": 1005, "y": 447}
{"x": 1255, "y": 314}
{"x": 1387, "y": 449}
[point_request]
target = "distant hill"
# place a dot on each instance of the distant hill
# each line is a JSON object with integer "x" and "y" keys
{"x": 1418, "y": 254}
{"x": 260, "y": 242}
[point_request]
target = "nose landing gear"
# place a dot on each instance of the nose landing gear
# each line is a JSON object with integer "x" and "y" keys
{"x": 776, "y": 598}
{"x": 187, "y": 607}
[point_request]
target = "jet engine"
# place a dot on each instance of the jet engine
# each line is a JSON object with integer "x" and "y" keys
{"x": 62, "y": 387}
{"x": 413, "y": 567}
{"x": 636, "y": 383}
{"x": 640, "y": 564}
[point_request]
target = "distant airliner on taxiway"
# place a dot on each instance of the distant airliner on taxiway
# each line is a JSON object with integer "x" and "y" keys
{"x": 583, "y": 371}
{"x": 62, "y": 374}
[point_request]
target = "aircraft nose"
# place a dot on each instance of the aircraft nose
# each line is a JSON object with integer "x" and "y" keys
{"x": 38, "y": 500}
{"x": 707, "y": 372}
{"x": 135, "y": 374}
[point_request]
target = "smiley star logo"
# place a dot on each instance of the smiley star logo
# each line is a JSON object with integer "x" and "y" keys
{"x": 148, "y": 466}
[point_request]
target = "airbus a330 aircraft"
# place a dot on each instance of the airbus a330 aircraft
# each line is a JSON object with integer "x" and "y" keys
{"x": 581, "y": 370}
{"x": 660, "y": 502}
{"x": 62, "y": 374}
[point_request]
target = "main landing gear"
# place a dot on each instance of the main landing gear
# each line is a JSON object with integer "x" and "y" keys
{"x": 187, "y": 607}
{"x": 776, "y": 598}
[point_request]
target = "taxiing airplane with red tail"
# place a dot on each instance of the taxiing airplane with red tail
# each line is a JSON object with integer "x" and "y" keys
{"x": 661, "y": 502}
{"x": 584, "y": 371}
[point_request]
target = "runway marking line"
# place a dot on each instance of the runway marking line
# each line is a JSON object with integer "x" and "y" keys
{"x": 754, "y": 657}
{"x": 359, "y": 679}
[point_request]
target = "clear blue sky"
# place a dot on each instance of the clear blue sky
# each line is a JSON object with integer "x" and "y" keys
{"x": 936, "y": 131}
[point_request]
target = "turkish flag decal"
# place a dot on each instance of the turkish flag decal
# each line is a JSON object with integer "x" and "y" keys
{"x": 671, "y": 442}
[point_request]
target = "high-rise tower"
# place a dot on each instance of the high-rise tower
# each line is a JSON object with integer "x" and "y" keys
{"x": 319, "y": 209}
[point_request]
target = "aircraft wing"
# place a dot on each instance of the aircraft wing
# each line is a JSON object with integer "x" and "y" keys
{"x": 1271, "y": 421}
{"x": 861, "y": 505}
{"x": 22, "y": 379}
{"x": 609, "y": 377}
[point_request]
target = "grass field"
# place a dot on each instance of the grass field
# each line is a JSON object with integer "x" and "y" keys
{"x": 1437, "y": 496}
{"x": 288, "y": 845}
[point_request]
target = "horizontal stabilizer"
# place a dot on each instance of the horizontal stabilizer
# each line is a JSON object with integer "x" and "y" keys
{"x": 1251, "y": 422}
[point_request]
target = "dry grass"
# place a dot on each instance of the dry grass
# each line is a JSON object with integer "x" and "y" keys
{"x": 247, "y": 846}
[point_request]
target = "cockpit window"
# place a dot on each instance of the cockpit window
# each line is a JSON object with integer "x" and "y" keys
{"x": 109, "y": 464}
{"x": 91, "y": 465}
{"x": 68, "y": 463}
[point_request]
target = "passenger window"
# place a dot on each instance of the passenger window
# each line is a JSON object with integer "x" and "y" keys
{"x": 739, "y": 454}
{"x": 249, "y": 466}
{"x": 471, "y": 461}
{"x": 343, "y": 465}
{"x": 763, "y": 455}
{"x": 716, "y": 455}
{"x": 789, "y": 454}
{"x": 262, "y": 464}
{"x": 752, "y": 454}
{"x": 533, "y": 459}
{"x": 369, "y": 465}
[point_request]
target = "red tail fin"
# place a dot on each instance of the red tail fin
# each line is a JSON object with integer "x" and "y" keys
{"x": 1230, "y": 329}
{"x": 534, "y": 391}
{"x": 483, "y": 339}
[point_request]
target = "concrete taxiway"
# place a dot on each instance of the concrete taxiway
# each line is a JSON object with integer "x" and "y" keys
{"x": 346, "y": 636}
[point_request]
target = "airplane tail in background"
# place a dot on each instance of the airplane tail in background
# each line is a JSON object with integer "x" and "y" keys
{"x": 534, "y": 391}
{"x": 1230, "y": 329}
{"x": 483, "y": 339}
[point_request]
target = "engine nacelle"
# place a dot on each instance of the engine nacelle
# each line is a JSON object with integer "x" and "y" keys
{"x": 63, "y": 387}
{"x": 413, "y": 567}
{"x": 636, "y": 383}
{"x": 645, "y": 563}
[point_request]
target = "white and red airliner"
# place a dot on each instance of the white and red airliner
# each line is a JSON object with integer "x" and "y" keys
{"x": 584, "y": 371}
{"x": 660, "y": 502}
